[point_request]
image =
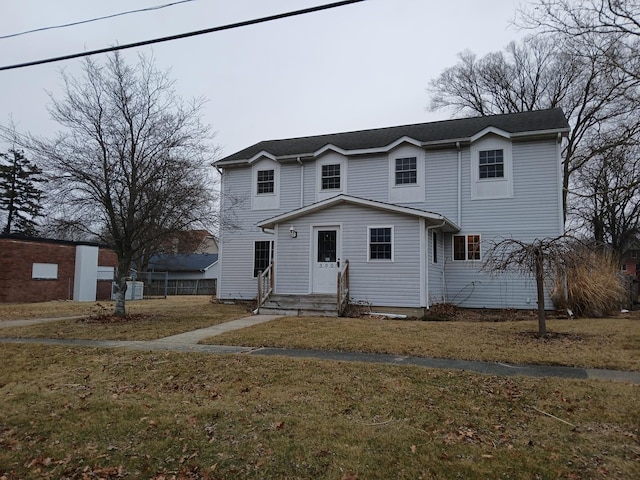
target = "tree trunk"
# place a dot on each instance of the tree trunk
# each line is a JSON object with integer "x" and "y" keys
{"x": 121, "y": 288}
{"x": 542, "y": 319}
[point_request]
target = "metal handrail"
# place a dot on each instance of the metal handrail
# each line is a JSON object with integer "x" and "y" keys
{"x": 343, "y": 288}
{"x": 265, "y": 284}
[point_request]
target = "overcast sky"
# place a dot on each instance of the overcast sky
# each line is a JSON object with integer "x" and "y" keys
{"x": 360, "y": 66}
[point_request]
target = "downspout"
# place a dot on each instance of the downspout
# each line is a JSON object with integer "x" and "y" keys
{"x": 301, "y": 181}
{"x": 560, "y": 173}
{"x": 459, "y": 184}
{"x": 429, "y": 228}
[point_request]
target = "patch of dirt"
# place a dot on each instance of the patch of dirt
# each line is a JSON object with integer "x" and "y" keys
{"x": 552, "y": 337}
{"x": 106, "y": 319}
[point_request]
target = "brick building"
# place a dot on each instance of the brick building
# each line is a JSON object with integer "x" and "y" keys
{"x": 38, "y": 270}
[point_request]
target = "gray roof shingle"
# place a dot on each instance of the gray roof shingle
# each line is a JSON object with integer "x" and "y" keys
{"x": 541, "y": 120}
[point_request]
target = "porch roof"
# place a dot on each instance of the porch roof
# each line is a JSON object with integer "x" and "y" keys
{"x": 434, "y": 219}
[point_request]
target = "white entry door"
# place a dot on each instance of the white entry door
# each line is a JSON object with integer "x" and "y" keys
{"x": 326, "y": 259}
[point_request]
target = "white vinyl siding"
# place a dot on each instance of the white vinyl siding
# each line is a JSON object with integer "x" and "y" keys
{"x": 369, "y": 280}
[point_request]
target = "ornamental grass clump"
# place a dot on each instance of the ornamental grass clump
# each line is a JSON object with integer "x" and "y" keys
{"x": 593, "y": 285}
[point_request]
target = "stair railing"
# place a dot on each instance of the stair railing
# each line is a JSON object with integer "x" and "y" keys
{"x": 343, "y": 288}
{"x": 265, "y": 284}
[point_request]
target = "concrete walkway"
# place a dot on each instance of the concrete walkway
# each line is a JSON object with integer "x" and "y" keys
{"x": 188, "y": 342}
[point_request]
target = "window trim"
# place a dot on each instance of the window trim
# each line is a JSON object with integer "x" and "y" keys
{"x": 491, "y": 165}
{"x": 392, "y": 242}
{"x": 413, "y": 170}
{"x": 323, "y": 177}
{"x": 266, "y": 182}
{"x": 467, "y": 246}
{"x": 271, "y": 255}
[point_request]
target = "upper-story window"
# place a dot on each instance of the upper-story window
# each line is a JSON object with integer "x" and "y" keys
{"x": 491, "y": 167}
{"x": 406, "y": 171}
{"x": 265, "y": 191}
{"x": 407, "y": 176}
{"x": 331, "y": 177}
{"x": 491, "y": 163}
{"x": 266, "y": 181}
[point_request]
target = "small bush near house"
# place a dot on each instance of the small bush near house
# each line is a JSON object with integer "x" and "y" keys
{"x": 441, "y": 312}
{"x": 593, "y": 288}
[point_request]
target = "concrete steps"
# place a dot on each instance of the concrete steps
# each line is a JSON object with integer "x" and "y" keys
{"x": 301, "y": 305}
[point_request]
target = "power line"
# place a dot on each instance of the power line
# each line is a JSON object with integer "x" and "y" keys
{"x": 183, "y": 35}
{"x": 80, "y": 22}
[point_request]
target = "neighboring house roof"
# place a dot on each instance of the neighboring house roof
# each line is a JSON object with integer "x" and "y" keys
{"x": 176, "y": 262}
{"x": 27, "y": 238}
{"x": 446, "y": 224}
{"x": 552, "y": 122}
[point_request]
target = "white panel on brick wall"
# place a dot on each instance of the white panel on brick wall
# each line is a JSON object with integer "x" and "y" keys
{"x": 44, "y": 271}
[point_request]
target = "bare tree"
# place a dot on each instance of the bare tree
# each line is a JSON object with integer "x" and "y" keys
{"x": 544, "y": 259}
{"x": 607, "y": 190}
{"x": 131, "y": 165}
{"x": 612, "y": 27}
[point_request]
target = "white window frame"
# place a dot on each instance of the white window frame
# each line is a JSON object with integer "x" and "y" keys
{"x": 339, "y": 176}
{"x": 272, "y": 181}
{"x": 466, "y": 247}
{"x": 380, "y": 260}
{"x": 494, "y": 164}
{"x": 395, "y": 171}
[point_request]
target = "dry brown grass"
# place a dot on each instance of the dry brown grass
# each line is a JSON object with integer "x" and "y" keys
{"x": 592, "y": 284}
{"x": 88, "y": 413}
{"x": 148, "y": 320}
{"x": 596, "y": 343}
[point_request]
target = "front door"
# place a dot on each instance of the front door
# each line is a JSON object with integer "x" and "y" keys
{"x": 326, "y": 259}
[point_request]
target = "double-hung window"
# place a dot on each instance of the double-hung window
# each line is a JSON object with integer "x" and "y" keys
{"x": 491, "y": 163}
{"x": 331, "y": 177}
{"x": 406, "y": 171}
{"x": 466, "y": 247}
{"x": 266, "y": 182}
{"x": 262, "y": 256}
{"x": 380, "y": 243}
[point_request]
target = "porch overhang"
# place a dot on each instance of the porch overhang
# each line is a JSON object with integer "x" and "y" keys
{"x": 431, "y": 218}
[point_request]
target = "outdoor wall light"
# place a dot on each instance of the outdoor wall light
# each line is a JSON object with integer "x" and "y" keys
{"x": 292, "y": 232}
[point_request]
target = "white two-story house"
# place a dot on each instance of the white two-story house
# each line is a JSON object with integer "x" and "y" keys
{"x": 401, "y": 215}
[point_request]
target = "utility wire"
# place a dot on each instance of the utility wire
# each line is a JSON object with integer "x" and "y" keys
{"x": 183, "y": 35}
{"x": 93, "y": 19}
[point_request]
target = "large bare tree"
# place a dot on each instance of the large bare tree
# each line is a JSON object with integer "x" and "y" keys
{"x": 611, "y": 27}
{"x": 131, "y": 164}
{"x": 607, "y": 196}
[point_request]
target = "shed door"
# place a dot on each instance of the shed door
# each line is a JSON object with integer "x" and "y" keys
{"x": 326, "y": 259}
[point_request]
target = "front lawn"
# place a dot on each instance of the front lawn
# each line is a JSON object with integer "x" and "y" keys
{"x": 112, "y": 414}
{"x": 148, "y": 320}
{"x": 612, "y": 343}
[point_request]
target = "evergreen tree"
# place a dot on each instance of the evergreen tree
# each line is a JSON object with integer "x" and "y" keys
{"x": 20, "y": 196}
